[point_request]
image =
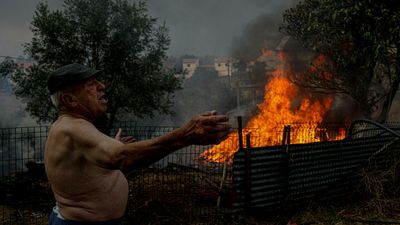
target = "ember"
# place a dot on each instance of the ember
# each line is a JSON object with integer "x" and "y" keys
{"x": 278, "y": 109}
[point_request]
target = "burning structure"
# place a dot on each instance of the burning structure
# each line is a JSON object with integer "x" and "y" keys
{"x": 284, "y": 104}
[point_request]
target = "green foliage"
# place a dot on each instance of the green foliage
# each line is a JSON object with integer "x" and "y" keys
{"x": 7, "y": 67}
{"x": 360, "y": 40}
{"x": 115, "y": 36}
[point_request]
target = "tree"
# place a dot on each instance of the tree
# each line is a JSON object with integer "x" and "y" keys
{"x": 7, "y": 67}
{"x": 359, "y": 43}
{"x": 115, "y": 36}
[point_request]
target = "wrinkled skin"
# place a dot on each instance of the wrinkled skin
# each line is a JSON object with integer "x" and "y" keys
{"x": 84, "y": 166}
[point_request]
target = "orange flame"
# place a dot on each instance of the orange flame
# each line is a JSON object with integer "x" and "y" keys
{"x": 278, "y": 109}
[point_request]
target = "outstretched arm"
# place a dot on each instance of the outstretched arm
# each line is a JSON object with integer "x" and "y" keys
{"x": 208, "y": 128}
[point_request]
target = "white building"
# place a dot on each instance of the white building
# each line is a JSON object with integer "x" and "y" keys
{"x": 189, "y": 66}
{"x": 224, "y": 67}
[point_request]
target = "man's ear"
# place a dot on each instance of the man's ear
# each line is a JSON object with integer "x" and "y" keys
{"x": 69, "y": 100}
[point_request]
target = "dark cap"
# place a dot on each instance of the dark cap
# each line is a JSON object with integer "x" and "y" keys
{"x": 68, "y": 75}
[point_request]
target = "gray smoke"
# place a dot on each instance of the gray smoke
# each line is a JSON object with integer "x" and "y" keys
{"x": 15, "y": 20}
{"x": 232, "y": 29}
{"x": 261, "y": 33}
{"x": 200, "y": 28}
{"x": 18, "y": 143}
{"x": 196, "y": 27}
{"x": 13, "y": 112}
{"x": 208, "y": 27}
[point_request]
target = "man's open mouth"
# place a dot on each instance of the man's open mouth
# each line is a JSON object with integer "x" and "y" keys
{"x": 103, "y": 99}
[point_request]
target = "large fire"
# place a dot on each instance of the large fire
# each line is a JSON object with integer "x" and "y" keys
{"x": 282, "y": 106}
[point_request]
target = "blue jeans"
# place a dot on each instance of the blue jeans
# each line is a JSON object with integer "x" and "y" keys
{"x": 56, "y": 219}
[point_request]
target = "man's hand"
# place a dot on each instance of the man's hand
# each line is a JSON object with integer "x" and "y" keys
{"x": 207, "y": 128}
{"x": 125, "y": 140}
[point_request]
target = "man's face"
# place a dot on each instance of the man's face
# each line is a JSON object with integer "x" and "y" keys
{"x": 91, "y": 98}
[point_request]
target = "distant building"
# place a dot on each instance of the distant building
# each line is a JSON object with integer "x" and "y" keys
{"x": 224, "y": 66}
{"x": 21, "y": 62}
{"x": 24, "y": 63}
{"x": 189, "y": 66}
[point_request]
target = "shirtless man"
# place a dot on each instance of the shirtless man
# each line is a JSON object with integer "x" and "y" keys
{"x": 84, "y": 166}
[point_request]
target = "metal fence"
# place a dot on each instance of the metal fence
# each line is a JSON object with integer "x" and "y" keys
{"x": 282, "y": 179}
{"x": 181, "y": 188}
{"x": 24, "y": 195}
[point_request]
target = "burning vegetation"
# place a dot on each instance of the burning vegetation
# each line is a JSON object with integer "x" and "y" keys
{"x": 283, "y": 105}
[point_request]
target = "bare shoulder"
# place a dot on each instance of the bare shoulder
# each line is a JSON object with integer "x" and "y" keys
{"x": 72, "y": 126}
{"x": 79, "y": 130}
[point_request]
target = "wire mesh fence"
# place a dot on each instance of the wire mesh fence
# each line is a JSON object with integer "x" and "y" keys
{"x": 180, "y": 188}
{"x": 186, "y": 187}
{"x": 24, "y": 194}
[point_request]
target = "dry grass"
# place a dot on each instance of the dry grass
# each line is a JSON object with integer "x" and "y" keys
{"x": 376, "y": 201}
{"x": 180, "y": 196}
{"x": 17, "y": 216}
{"x": 189, "y": 196}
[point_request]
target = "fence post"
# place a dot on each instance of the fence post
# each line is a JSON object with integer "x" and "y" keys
{"x": 246, "y": 180}
{"x": 240, "y": 132}
{"x": 248, "y": 173}
{"x": 286, "y": 145}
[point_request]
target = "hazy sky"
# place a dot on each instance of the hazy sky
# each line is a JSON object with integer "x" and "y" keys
{"x": 196, "y": 27}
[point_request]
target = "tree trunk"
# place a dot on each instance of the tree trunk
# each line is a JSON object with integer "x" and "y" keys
{"x": 392, "y": 92}
{"x": 389, "y": 100}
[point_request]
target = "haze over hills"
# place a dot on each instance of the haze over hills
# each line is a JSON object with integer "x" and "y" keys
{"x": 195, "y": 27}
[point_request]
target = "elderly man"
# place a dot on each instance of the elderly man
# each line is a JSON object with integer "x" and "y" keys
{"x": 84, "y": 166}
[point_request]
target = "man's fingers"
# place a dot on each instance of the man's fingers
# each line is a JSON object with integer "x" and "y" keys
{"x": 118, "y": 135}
{"x": 209, "y": 113}
{"x": 211, "y": 120}
{"x": 217, "y": 128}
{"x": 128, "y": 139}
